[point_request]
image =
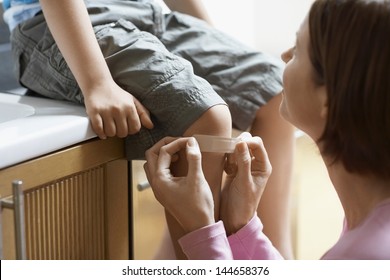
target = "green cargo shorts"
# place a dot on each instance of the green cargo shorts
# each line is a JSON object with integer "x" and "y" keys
{"x": 176, "y": 65}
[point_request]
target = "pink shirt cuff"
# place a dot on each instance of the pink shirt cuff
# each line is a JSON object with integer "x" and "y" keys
{"x": 207, "y": 243}
{"x": 250, "y": 243}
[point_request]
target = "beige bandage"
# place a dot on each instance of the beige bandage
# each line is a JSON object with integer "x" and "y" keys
{"x": 216, "y": 144}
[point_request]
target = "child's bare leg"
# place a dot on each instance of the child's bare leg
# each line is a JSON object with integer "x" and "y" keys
{"x": 215, "y": 121}
{"x": 278, "y": 137}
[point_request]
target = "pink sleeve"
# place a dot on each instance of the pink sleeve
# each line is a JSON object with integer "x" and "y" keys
{"x": 208, "y": 243}
{"x": 211, "y": 243}
{"x": 250, "y": 243}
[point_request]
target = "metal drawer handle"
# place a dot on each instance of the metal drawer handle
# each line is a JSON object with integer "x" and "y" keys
{"x": 143, "y": 186}
{"x": 17, "y": 204}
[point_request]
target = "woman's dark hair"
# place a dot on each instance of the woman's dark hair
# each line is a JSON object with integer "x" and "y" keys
{"x": 350, "y": 52}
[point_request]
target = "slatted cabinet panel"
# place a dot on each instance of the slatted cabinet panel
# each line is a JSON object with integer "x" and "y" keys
{"x": 76, "y": 203}
{"x": 65, "y": 219}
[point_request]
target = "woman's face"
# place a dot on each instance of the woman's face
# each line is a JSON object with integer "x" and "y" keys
{"x": 303, "y": 101}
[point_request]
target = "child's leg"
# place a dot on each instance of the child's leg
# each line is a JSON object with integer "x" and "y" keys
{"x": 215, "y": 121}
{"x": 248, "y": 81}
{"x": 274, "y": 208}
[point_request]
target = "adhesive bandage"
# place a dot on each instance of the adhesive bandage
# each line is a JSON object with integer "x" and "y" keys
{"x": 216, "y": 144}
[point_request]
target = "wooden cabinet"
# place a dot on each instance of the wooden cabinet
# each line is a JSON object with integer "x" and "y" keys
{"x": 148, "y": 218}
{"x": 75, "y": 203}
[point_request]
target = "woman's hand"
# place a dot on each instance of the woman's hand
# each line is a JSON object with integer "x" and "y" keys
{"x": 188, "y": 199}
{"x": 248, "y": 170}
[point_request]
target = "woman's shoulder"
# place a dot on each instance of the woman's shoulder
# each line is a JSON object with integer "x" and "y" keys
{"x": 370, "y": 240}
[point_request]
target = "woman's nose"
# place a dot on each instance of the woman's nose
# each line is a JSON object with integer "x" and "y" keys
{"x": 286, "y": 55}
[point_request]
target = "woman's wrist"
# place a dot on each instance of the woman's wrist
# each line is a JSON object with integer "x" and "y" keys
{"x": 198, "y": 223}
{"x": 239, "y": 223}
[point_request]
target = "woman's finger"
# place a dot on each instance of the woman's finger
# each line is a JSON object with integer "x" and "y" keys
{"x": 231, "y": 161}
{"x": 152, "y": 154}
{"x": 155, "y": 149}
{"x": 230, "y": 164}
{"x": 194, "y": 158}
{"x": 243, "y": 159}
{"x": 261, "y": 161}
{"x": 168, "y": 151}
{"x": 245, "y": 135}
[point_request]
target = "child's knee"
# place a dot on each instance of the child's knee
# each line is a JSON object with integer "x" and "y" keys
{"x": 215, "y": 121}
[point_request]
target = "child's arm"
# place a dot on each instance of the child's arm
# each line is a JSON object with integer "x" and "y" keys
{"x": 190, "y": 7}
{"x": 112, "y": 111}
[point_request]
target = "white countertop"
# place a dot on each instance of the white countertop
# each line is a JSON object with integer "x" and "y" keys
{"x": 33, "y": 126}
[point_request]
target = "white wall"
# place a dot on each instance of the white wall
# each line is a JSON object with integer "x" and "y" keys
{"x": 268, "y": 25}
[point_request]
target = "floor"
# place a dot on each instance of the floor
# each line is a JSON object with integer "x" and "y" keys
{"x": 317, "y": 214}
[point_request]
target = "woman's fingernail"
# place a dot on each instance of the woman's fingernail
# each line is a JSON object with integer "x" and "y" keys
{"x": 242, "y": 147}
{"x": 191, "y": 142}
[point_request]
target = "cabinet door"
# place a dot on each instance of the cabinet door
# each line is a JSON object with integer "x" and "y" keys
{"x": 148, "y": 219}
{"x": 65, "y": 218}
{"x": 77, "y": 210}
{"x": 81, "y": 216}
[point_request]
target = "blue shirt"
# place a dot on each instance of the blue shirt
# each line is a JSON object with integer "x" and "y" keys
{"x": 8, "y": 3}
{"x": 17, "y": 11}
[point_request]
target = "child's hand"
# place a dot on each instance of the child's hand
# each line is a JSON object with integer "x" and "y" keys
{"x": 247, "y": 171}
{"x": 188, "y": 199}
{"x": 115, "y": 112}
